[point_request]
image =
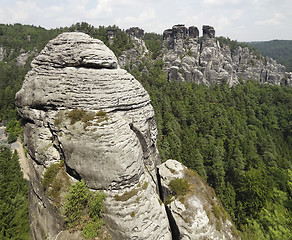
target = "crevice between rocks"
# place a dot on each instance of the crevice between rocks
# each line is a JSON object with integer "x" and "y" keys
{"x": 172, "y": 224}
{"x": 175, "y": 233}
{"x": 71, "y": 172}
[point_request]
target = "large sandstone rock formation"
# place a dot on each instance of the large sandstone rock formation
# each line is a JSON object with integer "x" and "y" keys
{"x": 205, "y": 61}
{"x": 80, "y": 108}
{"x": 114, "y": 149}
{"x": 187, "y": 57}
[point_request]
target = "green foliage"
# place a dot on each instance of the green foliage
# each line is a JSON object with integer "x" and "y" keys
{"x": 129, "y": 194}
{"x": 76, "y": 203}
{"x": 153, "y": 42}
{"x": 84, "y": 209}
{"x": 239, "y": 137}
{"x": 16, "y": 39}
{"x": 179, "y": 186}
{"x": 50, "y": 174}
{"x": 14, "y": 129}
{"x": 233, "y": 44}
{"x": 96, "y": 206}
{"x": 76, "y": 115}
{"x": 100, "y": 113}
{"x": 91, "y": 229}
{"x": 280, "y": 50}
{"x": 14, "y": 221}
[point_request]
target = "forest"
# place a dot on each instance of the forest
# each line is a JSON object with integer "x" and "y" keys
{"x": 280, "y": 50}
{"x": 14, "y": 222}
{"x": 238, "y": 138}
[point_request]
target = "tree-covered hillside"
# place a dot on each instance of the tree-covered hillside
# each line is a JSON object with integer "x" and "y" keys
{"x": 280, "y": 50}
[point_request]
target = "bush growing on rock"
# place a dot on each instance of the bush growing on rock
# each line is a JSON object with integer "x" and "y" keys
{"x": 83, "y": 209}
{"x": 179, "y": 186}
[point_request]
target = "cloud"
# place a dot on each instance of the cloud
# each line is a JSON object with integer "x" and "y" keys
{"x": 277, "y": 19}
{"x": 142, "y": 18}
{"x": 103, "y": 8}
{"x": 220, "y": 2}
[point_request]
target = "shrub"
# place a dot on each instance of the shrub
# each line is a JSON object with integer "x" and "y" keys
{"x": 84, "y": 208}
{"x": 96, "y": 205}
{"x": 50, "y": 175}
{"x": 76, "y": 202}
{"x": 179, "y": 186}
{"x": 90, "y": 230}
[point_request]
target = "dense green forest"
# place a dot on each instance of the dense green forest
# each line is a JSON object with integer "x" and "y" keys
{"x": 280, "y": 50}
{"x": 239, "y": 138}
{"x": 14, "y": 222}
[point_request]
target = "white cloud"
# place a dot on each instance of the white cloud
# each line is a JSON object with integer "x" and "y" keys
{"x": 103, "y": 8}
{"x": 277, "y": 19}
{"x": 142, "y": 18}
{"x": 220, "y": 2}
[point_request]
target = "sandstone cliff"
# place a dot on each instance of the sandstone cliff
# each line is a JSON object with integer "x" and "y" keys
{"x": 80, "y": 108}
{"x": 189, "y": 57}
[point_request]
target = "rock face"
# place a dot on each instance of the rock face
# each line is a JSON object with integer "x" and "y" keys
{"x": 137, "y": 52}
{"x": 198, "y": 214}
{"x": 205, "y": 61}
{"x": 135, "y": 32}
{"x": 114, "y": 149}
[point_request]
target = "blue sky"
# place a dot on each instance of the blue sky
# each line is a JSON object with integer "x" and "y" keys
{"x": 245, "y": 20}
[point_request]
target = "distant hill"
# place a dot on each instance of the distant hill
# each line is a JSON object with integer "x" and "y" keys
{"x": 280, "y": 50}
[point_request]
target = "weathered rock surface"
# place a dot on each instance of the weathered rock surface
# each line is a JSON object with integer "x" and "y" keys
{"x": 186, "y": 58}
{"x": 114, "y": 149}
{"x": 198, "y": 214}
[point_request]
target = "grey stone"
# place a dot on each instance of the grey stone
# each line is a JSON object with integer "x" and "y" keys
{"x": 193, "y": 212}
{"x": 113, "y": 150}
{"x": 135, "y": 32}
{"x": 214, "y": 62}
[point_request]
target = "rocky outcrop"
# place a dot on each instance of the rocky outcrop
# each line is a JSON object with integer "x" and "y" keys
{"x": 197, "y": 214}
{"x": 134, "y": 55}
{"x": 135, "y": 32}
{"x": 186, "y": 58}
{"x": 113, "y": 147}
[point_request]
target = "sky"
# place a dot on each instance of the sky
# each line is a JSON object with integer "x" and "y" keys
{"x": 241, "y": 20}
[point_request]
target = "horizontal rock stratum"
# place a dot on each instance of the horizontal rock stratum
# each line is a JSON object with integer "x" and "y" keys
{"x": 80, "y": 108}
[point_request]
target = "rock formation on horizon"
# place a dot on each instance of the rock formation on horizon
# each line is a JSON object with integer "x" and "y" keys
{"x": 191, "y": 58}
{"x": 112, "y": 146}
{"x": 188, "y": 59}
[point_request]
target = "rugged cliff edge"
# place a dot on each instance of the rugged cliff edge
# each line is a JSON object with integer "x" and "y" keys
{"x": 80, "y": 108}
{"x": 191, "y": 58}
